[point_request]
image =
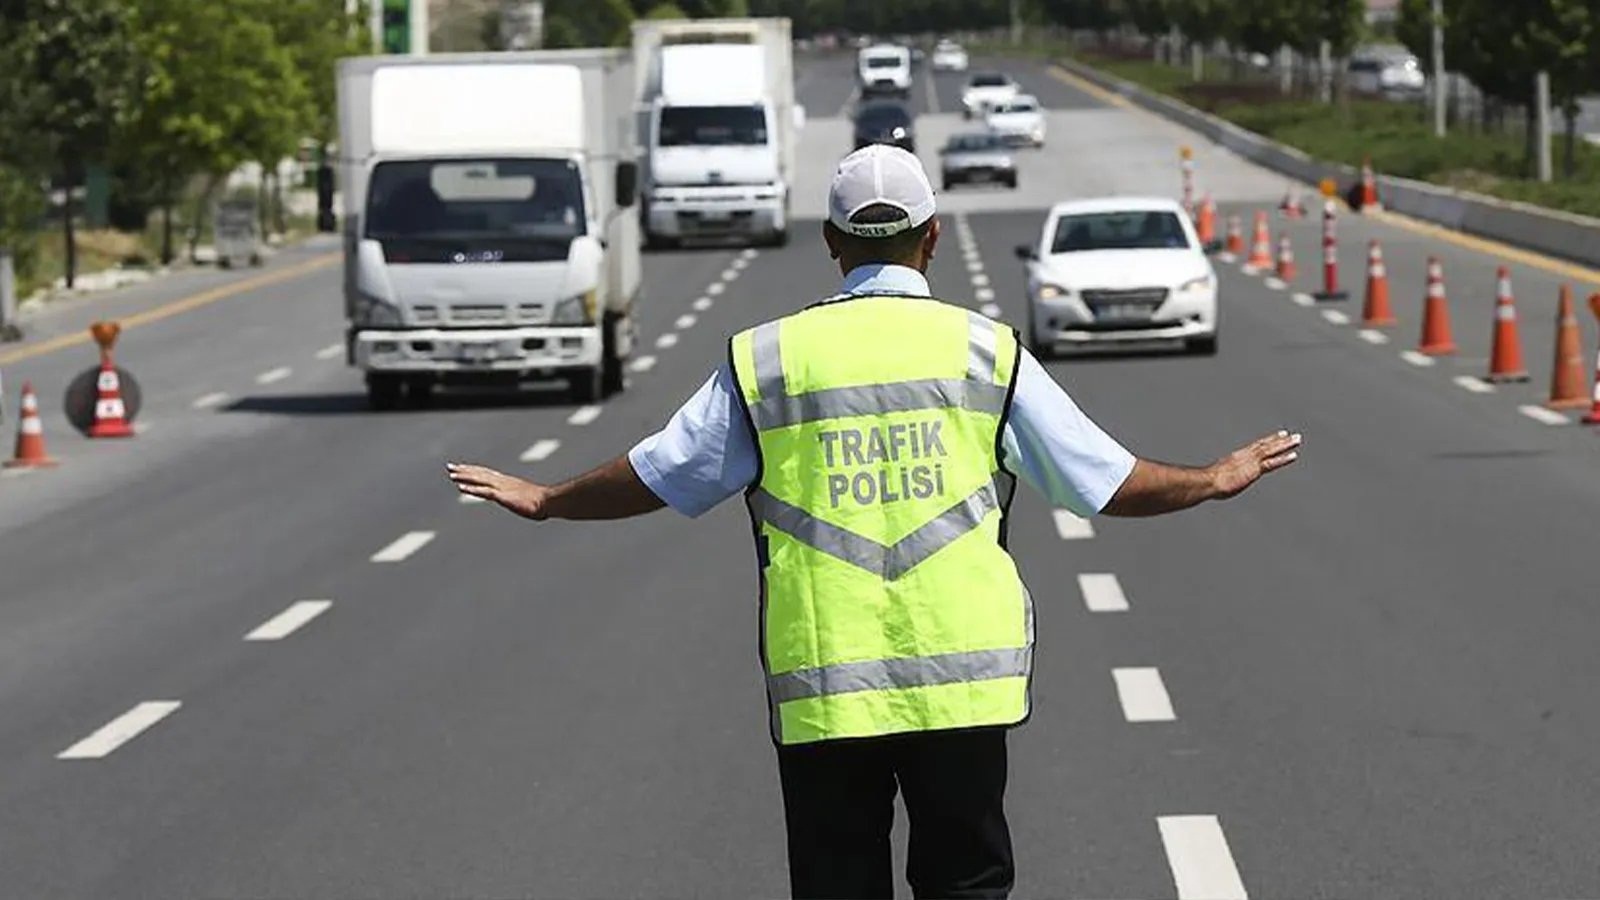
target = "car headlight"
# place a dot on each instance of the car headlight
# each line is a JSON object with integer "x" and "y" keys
{"x": 1053, "y": 292}
{"x": 375, "y": 313}
{"x": 1195, "y": 284}
{"x": 577, "y": 310}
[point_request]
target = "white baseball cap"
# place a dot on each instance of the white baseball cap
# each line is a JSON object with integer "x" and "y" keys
{"x": 879, "y": 175}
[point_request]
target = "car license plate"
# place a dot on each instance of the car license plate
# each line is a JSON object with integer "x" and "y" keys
{"x": 1124, "y": 312}
{"x": 478, "y": 354}
{"x": 981, "y": 174}
{"x": 716, "y": 215}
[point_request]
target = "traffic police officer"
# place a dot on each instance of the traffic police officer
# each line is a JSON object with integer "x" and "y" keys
{"x": 877, "y": 436}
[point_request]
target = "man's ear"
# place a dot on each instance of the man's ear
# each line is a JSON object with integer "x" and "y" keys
{"x": 930, "y": 244}
{"x": 830, "y": 239}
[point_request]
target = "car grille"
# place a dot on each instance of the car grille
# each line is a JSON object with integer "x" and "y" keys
{"x": 1144, "y": 296}
{"x": 1128, "y": 308}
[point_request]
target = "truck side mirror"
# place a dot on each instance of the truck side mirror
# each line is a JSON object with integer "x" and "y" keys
{"x": 1025, "y": 253}
{"x": 627, "y": 184}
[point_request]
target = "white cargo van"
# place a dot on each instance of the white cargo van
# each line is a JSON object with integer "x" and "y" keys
{"x": 487, "y": 238}
{"x": 716, "y": 103}
{"x": 884, "y": 69}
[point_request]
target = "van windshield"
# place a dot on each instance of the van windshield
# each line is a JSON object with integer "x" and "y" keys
{"x": 884, "y": 62}
{"x": 701, "y": 126}
{"x": 1136, "y": 230}
{"x": 469, "y": 201}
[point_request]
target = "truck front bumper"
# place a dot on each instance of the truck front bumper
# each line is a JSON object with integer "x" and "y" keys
{"x": 510, "y": 351}
{"x": 690, "y": 216}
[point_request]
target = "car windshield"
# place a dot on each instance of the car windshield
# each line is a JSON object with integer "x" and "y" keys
{"x": 465, "y": 199}
{"x": 1133, "y": 230}
{"x": 884, "y": 62}
{"x": 989, "y": 81}
{"x": 1016, "y": 107}
{"x": 883, "y": 116}
{"x": 703, "y": 126}
{"x": 972, "y": 142}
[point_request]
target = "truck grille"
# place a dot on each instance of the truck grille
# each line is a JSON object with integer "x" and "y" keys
{"x": 478, "y": 312}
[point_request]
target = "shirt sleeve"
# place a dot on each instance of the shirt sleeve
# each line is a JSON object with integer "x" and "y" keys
{"x": 705, "y": 453}
{"x": 1054, "y": 447}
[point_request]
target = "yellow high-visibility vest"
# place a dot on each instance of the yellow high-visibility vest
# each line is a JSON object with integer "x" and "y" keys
{"x": 889, "y": 602}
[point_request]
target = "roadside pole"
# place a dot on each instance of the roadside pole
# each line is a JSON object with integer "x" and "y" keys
{"x": 1438, "y": 68}
{"x": 9, "y": 331}
{"x": 1541, "y": 101}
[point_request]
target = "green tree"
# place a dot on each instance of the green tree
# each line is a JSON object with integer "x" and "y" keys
{"x": 587, "y": 23}
{"x": 667, "y": 11}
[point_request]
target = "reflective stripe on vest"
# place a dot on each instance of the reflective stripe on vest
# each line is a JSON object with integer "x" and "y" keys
{"x": 889, "y": 604}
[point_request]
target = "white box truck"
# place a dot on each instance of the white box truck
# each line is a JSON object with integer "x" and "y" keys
{"x": 717, "y": 109}
{"x": 487, "y": 231}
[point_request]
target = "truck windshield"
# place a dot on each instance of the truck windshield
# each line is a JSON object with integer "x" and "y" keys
{"x": 699, "y": 126}
{"x": 885, "y": 62}
{"x": 469, "y": 201}
{"x": 1140, "y": 230}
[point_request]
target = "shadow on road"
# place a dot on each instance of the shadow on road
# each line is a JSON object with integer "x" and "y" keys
{"x": 355, "y": 403}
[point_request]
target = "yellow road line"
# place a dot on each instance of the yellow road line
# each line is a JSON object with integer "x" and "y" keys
{"x": 1089, "y": 87}
{"x": 167, "y": 310}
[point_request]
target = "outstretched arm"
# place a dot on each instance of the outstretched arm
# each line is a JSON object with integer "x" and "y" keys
{"x": 609, "y": 491}
{"x": 1154, "y": 488}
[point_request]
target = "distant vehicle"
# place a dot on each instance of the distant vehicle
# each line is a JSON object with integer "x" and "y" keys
{"x": 985, "y": 89}
{"x": 488, "y": 243}
{"x": 1389, "y": 72}
{"x": 977, "y": 158}
{"x": 1117, "y": 271}
{"x": 884, "y": 69}
{"x": 949, "y": 56}
{"x": 885, "y": 122}
{"x": 722, "y": 128}
{"x": 1018, "y": 122}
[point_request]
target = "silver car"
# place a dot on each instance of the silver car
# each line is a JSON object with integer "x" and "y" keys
{"x": 977, "y": 158}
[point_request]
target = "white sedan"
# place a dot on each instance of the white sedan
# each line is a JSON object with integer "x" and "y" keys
{"x": 1017, "y": 122}
{"x": 985, "y": 89}
{"x": 1119, "y": 270}
{"x": 949, "y": 57}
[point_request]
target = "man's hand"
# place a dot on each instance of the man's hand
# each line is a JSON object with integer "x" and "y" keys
{"x": 524, "y": 498}
{"x": 1232, "y": 474}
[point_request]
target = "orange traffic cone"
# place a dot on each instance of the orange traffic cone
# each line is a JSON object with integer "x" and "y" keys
{"x": 1375, "y": 311}
{"x": 1292, "y": 207}
{"x": 1568, "y": 389}
{"x": 1593, "y": 418}
{"x": 1436, "y": 337}
{"x": 1206, "y": 227}
{"x": 1505, "y": 361}
{"x": 110, "y": 413}
{"x": 1286, "y": 269}
{"x": 1235, "y": 245}
{"x": 1260, "y": 246}
{"x": 1369, "y": 186}
{"x": 30, "y": 435}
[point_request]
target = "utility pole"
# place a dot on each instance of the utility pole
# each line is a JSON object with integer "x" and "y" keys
{"x": 1438, "y": 68}
{"x": 1016, "y": 23}
{"x": 1541, "y": 100}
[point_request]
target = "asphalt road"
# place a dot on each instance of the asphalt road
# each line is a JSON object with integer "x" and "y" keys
{"x": 1378, "y": 668}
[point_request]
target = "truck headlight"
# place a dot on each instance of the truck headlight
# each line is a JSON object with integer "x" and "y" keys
{"x": 1195, "y": 284}
{"x": 577, "y": 310}
{"x": 372, "y": 312}
{"x": 1053, "y": 292}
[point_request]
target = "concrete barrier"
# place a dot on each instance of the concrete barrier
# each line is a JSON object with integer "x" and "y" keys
{"x": 1566, "y": 235}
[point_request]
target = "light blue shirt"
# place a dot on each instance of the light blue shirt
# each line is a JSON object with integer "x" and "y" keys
{"x": 707, "y": 453}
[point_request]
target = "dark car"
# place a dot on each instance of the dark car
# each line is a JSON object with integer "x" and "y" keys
{"x": 977, "y": 158}
{"x": 885, "y": 123}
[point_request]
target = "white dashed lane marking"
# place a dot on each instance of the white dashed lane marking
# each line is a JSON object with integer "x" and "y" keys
{"x": 740, "y": 262}
{"x": 984, "y": 295}
{"x": 749, "y": 254}
{"x": 642, "y": 364}
{"x": 216, "y": 398}
{"x": 1335, "y": 317}
{"x": 702, "y": 304}
{"x": 730, "y": 274}
{"x": 1373, "y": 336}
{"x": 468, "y": 499}
{"x": 685, "y": 321}
{"x": 1143, "y": 695}
{"x": 716, "y": 289}
{"x": 980, "y": 280}
{"x": 1197, "y": 852}
{"x": 667, "y": 340}
{"x": 1546, "y": 416}
{"x": 274, "y": 375}
{"x": 121, "y": 730}
{"x": 1473, "y": 384}
{"x": 403, "y": 547}
{"x": 583, "y": 415}
{"x": 1070, "y": 527}
{"x": 289, "y": 621}
{"x": 330, "y": 351}
{"x": 1102, "y": 592}
{"x": 990, "y": 310}
{"x": 540, "y": 450}
{"x": 975, "y": 266}
{"x": 1276, "y": 284}
{"x": 1420, "y": 360}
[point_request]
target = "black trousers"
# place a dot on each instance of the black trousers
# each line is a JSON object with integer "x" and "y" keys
{"x": 838, "y": 803}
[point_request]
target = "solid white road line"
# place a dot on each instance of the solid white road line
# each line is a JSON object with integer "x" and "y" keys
{"x": 1276, "y": 284}
{"x": 1305, "y": 300}
{"x": 1102, "y": 593}
{"x": 685, "y": 321}
{"x": 991, "y": 310}
{"x": 642, "y": 364}
{"x": 541, "y": 450}
{"x": 716, "y": 288}
{"x": 1143, "y": 695}
{"x": 984, "y": 295}
{"x": 330, "y": 351}
{"x": 216, "y": 398}
{"x": 667, "y": 340}
{"x": 404, "y": 546}
{"x": 1547, "y": 416}
{"x": 1474, "y": 384}
{"x": 1197, "y": 852}
{"x": 1373, "y": 336}
{"x": 583, "y": 415}
{"x": 120, "y": 730}
{"x": 1070, "y": 527}
{"x": 1335, "y": 317}
{"x": 289, "y": 621}
{"x": 1421, "y": 360}
{"x": 272, "y": 375}
{"x": 702, "y": 304}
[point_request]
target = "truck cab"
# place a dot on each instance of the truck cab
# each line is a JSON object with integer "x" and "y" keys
{"x": 884, "y": 69}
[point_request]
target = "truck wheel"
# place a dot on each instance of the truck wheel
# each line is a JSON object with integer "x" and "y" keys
{"x": 612, "y": 381}
{"x": 419, "y": 393}
{"x": 1202, "y": 346}
{"x": 780, "y": 238}
{"x": 588, "y": 386}
{"x": 383, "y": 392}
